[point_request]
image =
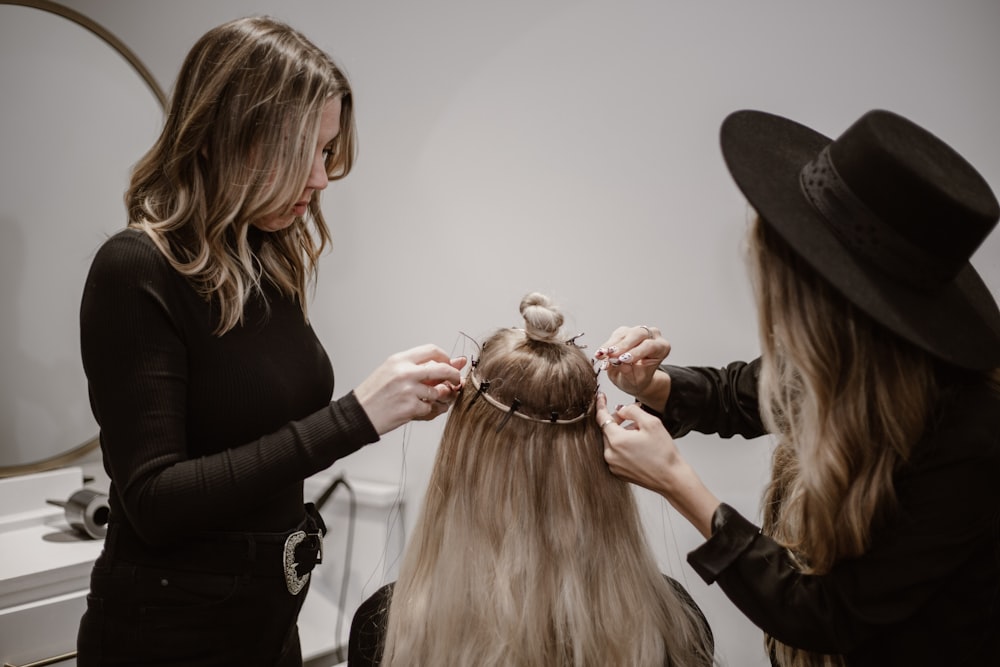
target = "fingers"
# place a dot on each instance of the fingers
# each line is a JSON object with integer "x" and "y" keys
{"x": 445, "y": 392}
{"x": 437, "y": 372}
{"x": 638, "y": 345}
{"x": 633, "y": 413}
{"x": 419, "y": 383}
{"x": 624, "y": 417}
{"x": 442, "y": 382}
{"x": 602, "y": 415}
{"x": 424, "y": 353}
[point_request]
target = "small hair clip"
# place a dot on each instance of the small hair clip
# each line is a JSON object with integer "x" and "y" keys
{"x": 572, "y": 341}
{"x": 484, "y": 386}
{"x": 514, "y": 405}
{"x": 551, "y": 415}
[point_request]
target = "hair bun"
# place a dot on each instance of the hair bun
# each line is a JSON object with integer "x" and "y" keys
{"x": 542, "y": 320}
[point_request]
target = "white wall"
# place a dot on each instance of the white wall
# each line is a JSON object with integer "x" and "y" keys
{"x": 570, "y": 146}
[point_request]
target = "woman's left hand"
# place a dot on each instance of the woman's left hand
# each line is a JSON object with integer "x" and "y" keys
{"x": 638, "y": 448}
{"x": 447, "y": 392}
{"x": 632, "y": 356}
{"x": 415, "y": 384}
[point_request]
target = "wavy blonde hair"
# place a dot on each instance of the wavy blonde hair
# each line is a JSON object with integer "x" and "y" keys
{"x": 237, "y": 146}
{"x": 847, "y": 400}
{"x": 527, "y": 550}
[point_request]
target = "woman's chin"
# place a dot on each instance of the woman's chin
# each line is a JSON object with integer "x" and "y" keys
{"x": 275, "y": 224}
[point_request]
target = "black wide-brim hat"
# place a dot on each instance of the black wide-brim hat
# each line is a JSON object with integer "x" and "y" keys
{"x": 887, "y": 213}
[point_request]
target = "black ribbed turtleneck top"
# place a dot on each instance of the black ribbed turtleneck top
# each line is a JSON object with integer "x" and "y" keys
{"x": 201, "y": 432}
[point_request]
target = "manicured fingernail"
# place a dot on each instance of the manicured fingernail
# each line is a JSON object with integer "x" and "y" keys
{"x": 626, "y": 357}
{"x": 612, "y": 349}
{"x": 600, "y": 353}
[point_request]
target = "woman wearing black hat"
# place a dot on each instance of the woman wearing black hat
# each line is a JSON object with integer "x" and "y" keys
{"x": 879, "y": 378}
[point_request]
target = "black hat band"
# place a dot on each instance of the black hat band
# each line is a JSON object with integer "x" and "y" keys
{"x": 863, "y": 231}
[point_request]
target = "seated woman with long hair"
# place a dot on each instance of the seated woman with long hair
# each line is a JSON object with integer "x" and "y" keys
{"x": 527, "y": 550}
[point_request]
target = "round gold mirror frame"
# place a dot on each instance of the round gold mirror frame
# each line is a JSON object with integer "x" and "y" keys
{"x": 90, "y": 445}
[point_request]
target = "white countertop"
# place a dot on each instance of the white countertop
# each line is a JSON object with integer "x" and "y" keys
{"x": 40, "y": 554}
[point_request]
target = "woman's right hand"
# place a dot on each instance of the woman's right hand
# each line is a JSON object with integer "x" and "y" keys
{"x": 419, "y": 383}
{"x": 631, "y": 356}
{"x": 638, "y": 449}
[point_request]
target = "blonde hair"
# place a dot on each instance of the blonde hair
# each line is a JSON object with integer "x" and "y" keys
{"x": 847, "y": 401}
{"x": 238, "y": 145}
{"x": 527, "y": 550}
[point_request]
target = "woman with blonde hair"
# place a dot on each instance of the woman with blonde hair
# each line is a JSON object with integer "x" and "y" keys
{"x": 211, "y": 389}
{"x": 878, "y": 377}
{"x": 527, "y": 550}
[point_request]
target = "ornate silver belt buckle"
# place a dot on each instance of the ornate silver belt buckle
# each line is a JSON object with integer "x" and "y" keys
{"x": 293, "y": 582}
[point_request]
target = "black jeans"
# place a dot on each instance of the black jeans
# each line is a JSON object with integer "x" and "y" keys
{"x": 138, "y": 615}
{"x": 212, "y": 602}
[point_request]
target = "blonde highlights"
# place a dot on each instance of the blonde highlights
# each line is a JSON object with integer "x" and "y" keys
{"x": 527, "y": 550}
{"x": 847, "y": 401}
{"x": 236, "y": 147}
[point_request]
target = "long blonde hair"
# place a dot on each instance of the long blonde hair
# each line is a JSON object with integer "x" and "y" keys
{"x": 847, "y": 401}
{"x": 237, "y": 145}
{"x": 527, "y": 550}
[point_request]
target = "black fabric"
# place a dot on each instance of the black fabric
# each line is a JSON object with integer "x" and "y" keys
{"x": 203, "y": 434}
{"x": 927, "y": 591}
{"x": 712, "y": 400}
{"x": 140, "y": 616}
{"x": 365, "y": 643}
{"x": 731, "y": 536}
{"x": 240, "y": 553}
{"x": 364, "y": 648}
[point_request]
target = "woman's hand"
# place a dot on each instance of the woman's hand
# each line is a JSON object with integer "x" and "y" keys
{"x": 642, "y": 452}
{"x": 419, "y": 383}
{"x": 632, "y": 356}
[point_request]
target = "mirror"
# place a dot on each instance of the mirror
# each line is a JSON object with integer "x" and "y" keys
{"x": 77, "y": 111}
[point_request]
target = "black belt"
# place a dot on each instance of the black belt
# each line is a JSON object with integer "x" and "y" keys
{"x": 291, "y": 555}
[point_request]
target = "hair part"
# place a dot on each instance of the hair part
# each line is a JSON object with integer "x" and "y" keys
{"x": 237, "y": 146}
{"x": 528, "y": 551}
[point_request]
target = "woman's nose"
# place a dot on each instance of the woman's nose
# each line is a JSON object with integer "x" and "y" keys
{"x": 318, "y": 180}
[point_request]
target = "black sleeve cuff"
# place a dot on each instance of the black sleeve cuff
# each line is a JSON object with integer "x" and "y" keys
{"x": 350, "y": 413}
{"x": 722, "y": 401}
{"x": 732, "y": 535}
{"x": 689, "y": 394}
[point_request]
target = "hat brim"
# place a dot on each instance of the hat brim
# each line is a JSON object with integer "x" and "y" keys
{"x": 765, "y": 153}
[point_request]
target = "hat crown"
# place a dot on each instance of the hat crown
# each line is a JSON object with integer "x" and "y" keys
{"x": 918, "y": 189}
{"x": 887, "y": 214}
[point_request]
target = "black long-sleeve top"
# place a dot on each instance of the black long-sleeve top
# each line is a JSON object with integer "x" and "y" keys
{"x": 926, "y": 591}
{"x": 201, "y": 432}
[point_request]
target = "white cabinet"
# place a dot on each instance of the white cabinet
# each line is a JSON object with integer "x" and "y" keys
{"x": 45, "y": 567}
{"x": 44, "y": 570}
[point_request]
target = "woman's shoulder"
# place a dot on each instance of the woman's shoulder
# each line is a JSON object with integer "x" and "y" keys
{"x": 129, "y": 254}
{"x": 969, "y": 416}
{"x": 128, "y": 265}
{"x": 377, "y": 604}
{"x": 127, "y": 243}
{"x": 685, "y": 598}
{"x": 364, "y": 646}
{"x": 962, "y": 439}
